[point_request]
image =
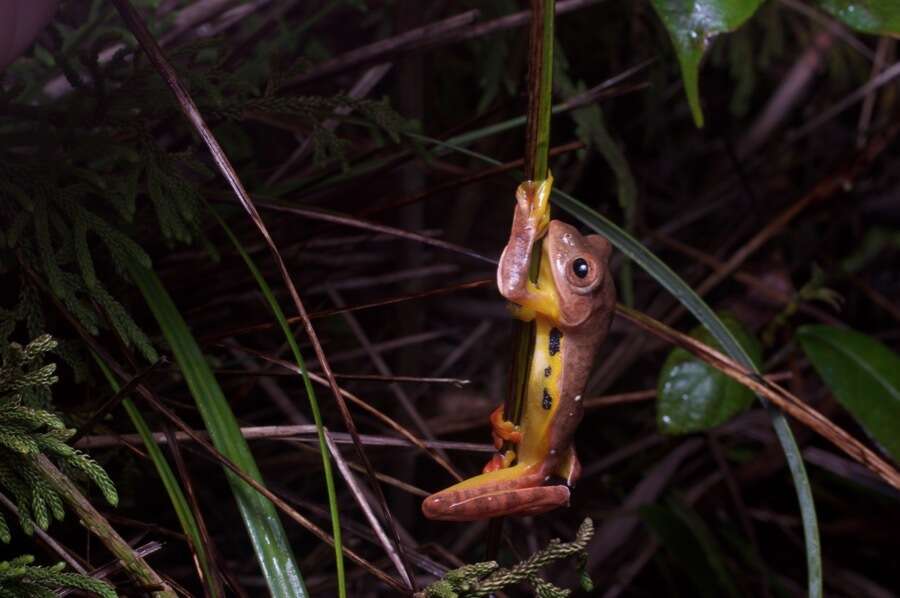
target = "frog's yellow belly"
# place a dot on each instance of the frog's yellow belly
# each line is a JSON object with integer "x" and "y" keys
{"x": 542, "y": 397}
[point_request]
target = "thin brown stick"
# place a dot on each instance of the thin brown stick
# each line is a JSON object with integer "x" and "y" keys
{"x": 359, "y": 377}
{"x": 454, "y": 29}
{"x": 825, "y": 189}
{"x": 114, "y": 400}
{"x": 485, "y": 173}
{"x": 47, "y": 539}
{"x": 192, "y": 113}
{"x": 363, "y": 503}
{"x": 748, "y": 280}
{"x": 777, "y": 395}
{"x": 353, "y": 222}
{"x": 646, "y": 395}
{"x": 212, "y": 586}
{"x": 297, "y": 432}
{"x": 275, "y": 499}
{"x": 351, "y": 308}
{"x": 364, "y": 405}
{"x": 383, "y": 368}
{"x": 119, "y": 371}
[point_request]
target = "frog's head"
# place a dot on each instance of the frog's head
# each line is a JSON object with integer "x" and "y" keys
{"x": 580, "y": 266}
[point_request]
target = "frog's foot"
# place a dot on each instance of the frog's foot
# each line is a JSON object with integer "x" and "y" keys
{"x": 533, "y": 199}
{"x": 503, "y": 430}
{"x": 500, "y": 461}
{"x": 570, "y": 468}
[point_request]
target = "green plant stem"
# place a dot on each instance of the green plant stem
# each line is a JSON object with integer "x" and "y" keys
{"x": 100, "y": 527}
{"x": 537, "y": 145}
{"x": 313, "y": 403}
{"x": 179, "y": 502}
{"x": 270, "y": 542}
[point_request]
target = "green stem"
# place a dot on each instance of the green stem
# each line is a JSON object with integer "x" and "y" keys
{"x": 100, "y": 527}
{"x": 311, "y": 395}
{"x": 189, "y": 523}
{"x": 537, "y": 146}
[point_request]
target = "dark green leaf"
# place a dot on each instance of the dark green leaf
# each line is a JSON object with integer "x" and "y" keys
{"x": 691, "y": 25}
{"x": 864, "y": 376}
{"x": 692, "y": 395}
{"x": 270, "y": 542}
{"x": 881, "y": 17}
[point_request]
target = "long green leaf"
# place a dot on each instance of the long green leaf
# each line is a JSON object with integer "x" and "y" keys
{"x": 270, "y": 543}
{"x": 880, "y": 17}
{"x": 633, "y": 249}
{"x": 691, "y": 25}
{"x": 864, "y": 376}
{"x": 313, "y": 402}
{"x": 170, "y": 483}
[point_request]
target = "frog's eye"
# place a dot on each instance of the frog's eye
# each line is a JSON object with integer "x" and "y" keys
{"x": 583, "y": 274}
{"x": 580, "y": 267}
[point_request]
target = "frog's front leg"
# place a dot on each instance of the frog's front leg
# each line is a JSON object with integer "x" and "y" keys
{"x": 530, "y": 222}
{"x": 517, "y": 490}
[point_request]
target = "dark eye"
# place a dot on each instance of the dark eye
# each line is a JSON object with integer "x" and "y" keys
{"x": 580, "y": 267}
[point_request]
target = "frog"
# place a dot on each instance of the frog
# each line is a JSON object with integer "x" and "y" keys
{"x": 571, "y": 304}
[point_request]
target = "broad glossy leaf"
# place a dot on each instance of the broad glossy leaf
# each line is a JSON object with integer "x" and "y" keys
{"x": 864, "y": 376}
{"x": 693, "y": 396}
{"x": 880, "y": 17}
{"x": 691, "y": 25}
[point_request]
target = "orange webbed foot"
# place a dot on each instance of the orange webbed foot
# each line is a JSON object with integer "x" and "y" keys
{"x": 503, "y": 430}
{"x": 499, "y": 461}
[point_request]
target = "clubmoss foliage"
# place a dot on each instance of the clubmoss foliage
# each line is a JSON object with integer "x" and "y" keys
{"x": 20, "y": 579}
{"x": 28, "y": 429}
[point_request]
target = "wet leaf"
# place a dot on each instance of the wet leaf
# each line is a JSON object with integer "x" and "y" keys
{"x": 691, "y": 25}
{"x": 864, "y": 376}
{"x": 879, "y": 17}
{"x": 693, "y": 396}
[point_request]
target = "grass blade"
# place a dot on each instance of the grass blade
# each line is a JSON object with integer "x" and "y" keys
{"x": 313, "y": 402}
{"x": 655, "y": 267}
{"x": 269, "y": 540}
{"x": 172, "y": 486}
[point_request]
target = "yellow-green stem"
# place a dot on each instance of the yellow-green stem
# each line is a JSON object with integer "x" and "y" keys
{"x": 537, "y": 146}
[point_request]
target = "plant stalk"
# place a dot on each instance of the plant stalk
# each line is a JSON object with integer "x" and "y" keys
{"x": 100, "y": 527}
{"x": 537, "y": 147}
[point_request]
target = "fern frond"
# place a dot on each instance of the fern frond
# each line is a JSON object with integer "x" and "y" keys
{"x": 128, "y": 331}
{"x": 20, "y": 579}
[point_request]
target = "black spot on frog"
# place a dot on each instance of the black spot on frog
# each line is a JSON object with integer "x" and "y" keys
{"x": 555, "y": 336}
{"x": 547, "y": 401}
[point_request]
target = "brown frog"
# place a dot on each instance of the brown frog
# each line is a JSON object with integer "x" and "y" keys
{"x": 572, "y": 304}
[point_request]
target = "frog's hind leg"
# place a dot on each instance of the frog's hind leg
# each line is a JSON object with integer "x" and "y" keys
{"x": 513, "y": 491}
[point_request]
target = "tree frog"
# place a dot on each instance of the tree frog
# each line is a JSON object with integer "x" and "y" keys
{"x": 572, "y": 305}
